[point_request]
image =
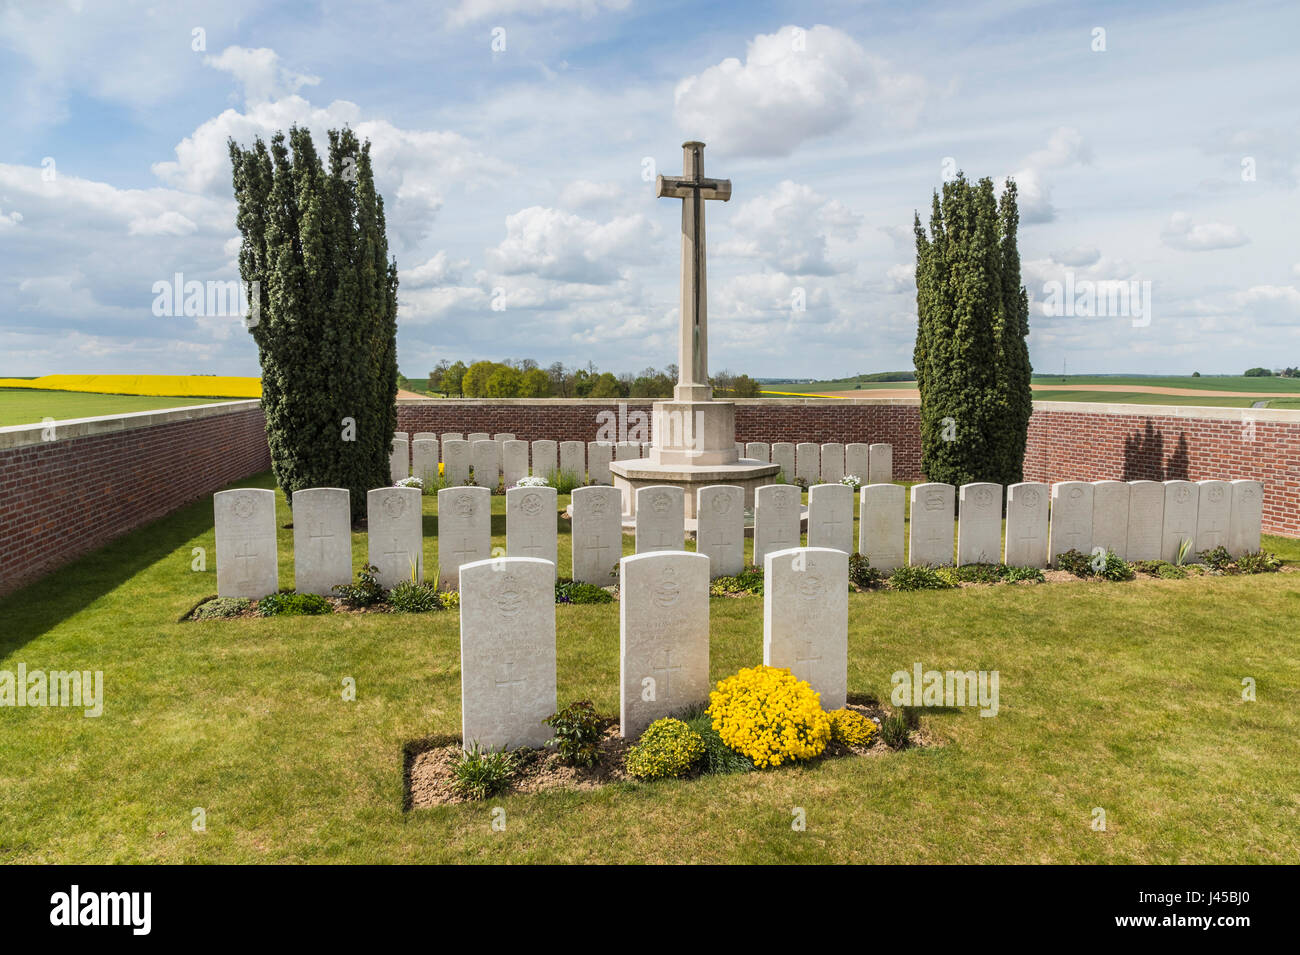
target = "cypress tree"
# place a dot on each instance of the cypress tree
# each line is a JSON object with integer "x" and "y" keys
{"x": 315, "y": 244}
{"x": 971, "y": 357}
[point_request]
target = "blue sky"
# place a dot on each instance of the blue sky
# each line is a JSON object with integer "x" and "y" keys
{"x": 516, "y": 175}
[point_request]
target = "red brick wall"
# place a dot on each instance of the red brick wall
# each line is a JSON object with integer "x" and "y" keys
{"x": 1064, "y": 444}
{"x": 63, "y": 498}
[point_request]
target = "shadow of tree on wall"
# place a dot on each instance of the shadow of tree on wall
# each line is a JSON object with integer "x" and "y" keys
{"x": 1144, "y": 457}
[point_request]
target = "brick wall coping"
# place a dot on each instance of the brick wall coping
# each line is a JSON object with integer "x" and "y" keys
{"x": 21, "y": 435}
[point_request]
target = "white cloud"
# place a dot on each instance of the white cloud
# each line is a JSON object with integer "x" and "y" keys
{"x": 1272, "y": 304}
{"x": 901, "y": 278}
{"x": 260, "y": 73}
{"x": 794, "y": 85}
{"x": 1078, "y": 257}
{"x": 583, "y": 193}
{"x": 1182, "y": 233}
{"x": 165, "y": 223}
{"x": 789, "y": 230}
{"x": 560, "y": 245}
{"x": 439, "y": 270}
{"x": 1065, "y": 148}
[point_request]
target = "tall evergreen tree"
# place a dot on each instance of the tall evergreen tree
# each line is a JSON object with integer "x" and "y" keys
{"x": 971, "y": 354}
{"x": 315, "y": 253}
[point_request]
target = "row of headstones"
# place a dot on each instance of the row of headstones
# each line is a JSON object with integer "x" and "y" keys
{"x": 1136, "y": 520}
{"x": 507, "y": 638}
{"x": 502, "y": 457}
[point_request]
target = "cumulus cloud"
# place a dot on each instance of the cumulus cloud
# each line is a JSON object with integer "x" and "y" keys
{"x": 901, "y": 277}
{"x": 1065, "y": 147}
{"x": 583, "y": 194}
{"x": 471, "y": 11}
{"x": 1078, "y": 257}
{"x": 439, "y": 270}
{"x": 789, "y": 230}
{"x": 551, "y": 243}
{"x": 1272, "y": 304}
{"x": 260, "y": 73}
{"x": 794, "y": 85}
{"x": 1182, "y": 233}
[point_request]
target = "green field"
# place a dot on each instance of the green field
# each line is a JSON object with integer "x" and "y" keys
{"x": 1121, "y": 696}
{"x": 33, "y": 405}
{"x": 1204, "y": 383}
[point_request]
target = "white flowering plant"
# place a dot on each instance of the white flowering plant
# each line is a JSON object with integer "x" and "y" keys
{"x": 410, "y": 482}
{"x": 532, "y": 481}
{"x": 852, "y": 480}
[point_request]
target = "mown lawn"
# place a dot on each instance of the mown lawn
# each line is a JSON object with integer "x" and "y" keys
{"x": 1120, "y": 696}
{"x": 33, "y": 405}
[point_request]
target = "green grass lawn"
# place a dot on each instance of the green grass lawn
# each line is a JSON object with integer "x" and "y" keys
{"x": 33, "y": 405}
{"x": 1121, "y": 696}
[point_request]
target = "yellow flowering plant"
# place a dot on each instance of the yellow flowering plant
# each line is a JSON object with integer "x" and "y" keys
{"x": 767, "y": 714}
{"x": 852, "y": 728}
{"x": 668, "y": 747}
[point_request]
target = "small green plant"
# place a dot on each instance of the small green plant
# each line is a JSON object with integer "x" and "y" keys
{"x": 1217, "y": 559}
{"x": 478, "y": 774}
{"x": 861, "y": 574}
{"x": 449, "y": 599}
{"x": 1016, "y": 575}
{"x": 577, "y": 733}
{"x": 748, "y": 581}
{"x": 974, "y": 574}
{"x": 719, "y": 759}
{"x": 1260, "y": 562}
{"x": 411, "y": 596}
{"x": 1075, "y": 562}
{"x": 667, "y": 748}
{"x": 569, "y": 591}
{"x": 894, "y": 729}
{"x": 220, "y": 607}
{"x": 293, "y": 605}
{"x": 366, "y": 592}
{"x": 564, "y": 481}
{"x": 1183, "y": 550}
{"x": 1115, "y": 568}
{"x": 918, "y": 577}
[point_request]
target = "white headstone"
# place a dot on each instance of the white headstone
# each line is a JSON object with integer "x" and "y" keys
{"x": 573, "y": 459}
{"x": 247, "y": 556}
{"x": 740, "y": 449}
{"x": 514, "y": 461}
{"x": 627, "y": 451}
{"x": 660, "y": 518}
{"x": 545, "y": 461}
{"x": 483, "y": 458}
{"x": 807, "y": 462}
{"x": 832, "y": 470}
{"x": 857, "y": 461}
{"x": 322, "y": 539}
{"x": 394, "y": 534}
{"x": 1110, "y": 504}
{"x": 1244, "y": 526}
{"x": 1181, "y": 500}
{"x": 758, "y": 451}
{"x": 663, "y": 636}
{"x": 1213, "y": 511}
{"x": 424, "y": 436}
{"x": 453, "y": 436}
{"x": 720, "y": 528}
{"x": 783, "y": 455}
{"x": 778, "y": 517}
{"x": 478, "y": 436}
{"x": 503, "y": 436}
{"x": 531, "y": 523}
{"x": 424, "y": 460}
{"x": 507, "y": 652}
{"x": 597, "y": 534}
{"x": 399, "y": 459}
{"x": 806, "y": 618}
{"x": 830, "y": 516}
{"x": 404, "y": 435}
{"x": 464, "y": 530}
{"x": 979, "y": 523}
{"x": 881, "y": 464}
{"x": 1146, "y": 519}
{"x": 880, "y": 524}
{"x": 599, "y": 454}
{"x": 1071, "y": 527}
{"x": 930, "y": 536}
{"x": 455, "y": 461}
{"x": 1027, "y": 505}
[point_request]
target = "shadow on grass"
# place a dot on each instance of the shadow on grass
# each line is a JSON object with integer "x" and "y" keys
{"x": 67, "y": 590}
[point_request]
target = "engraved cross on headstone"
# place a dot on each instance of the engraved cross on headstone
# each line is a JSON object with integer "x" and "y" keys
{"x": 667, "y": 669}
{"x": 510, "y": 684}
{"x": 318, "y": 534}
{"x": 693, "y": 189}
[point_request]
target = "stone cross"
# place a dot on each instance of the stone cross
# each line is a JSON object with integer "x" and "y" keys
{"x": 692, "y": 188}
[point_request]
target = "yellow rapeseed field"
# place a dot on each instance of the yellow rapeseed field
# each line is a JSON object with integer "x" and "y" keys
{"x": 177, "y": 386}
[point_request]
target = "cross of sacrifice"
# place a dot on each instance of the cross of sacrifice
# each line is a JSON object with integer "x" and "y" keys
{"x": 510, "y": 684}
{"x": 693, "y": 346}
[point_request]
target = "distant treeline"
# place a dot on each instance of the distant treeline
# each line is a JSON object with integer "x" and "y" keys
{"x": 525, "y": 378}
